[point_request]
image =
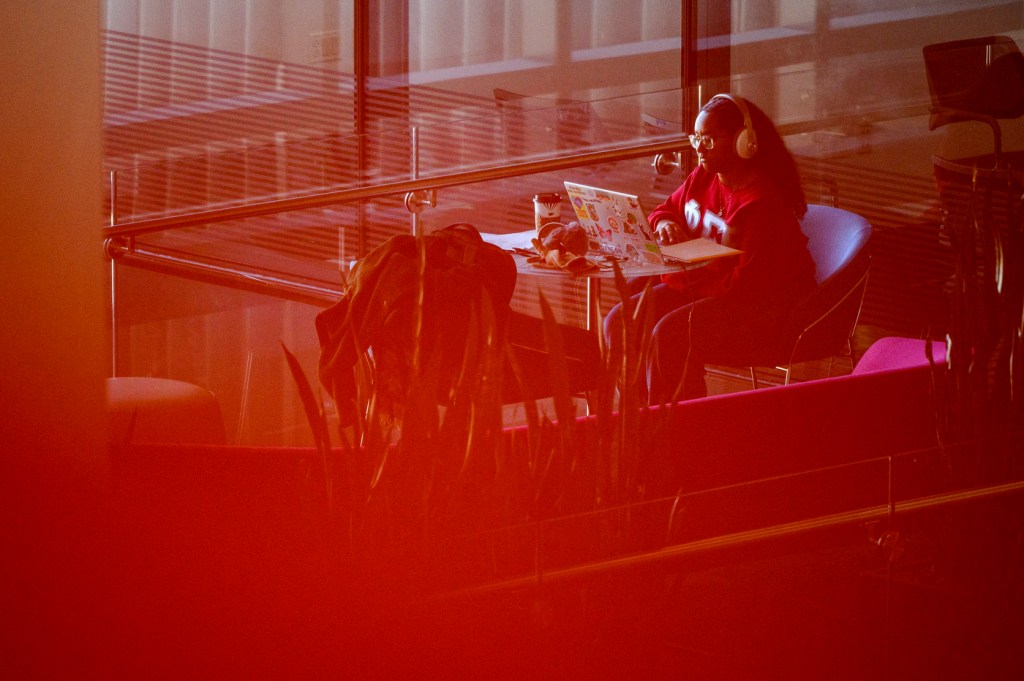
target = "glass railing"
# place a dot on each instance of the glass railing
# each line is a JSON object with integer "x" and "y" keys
{"x": 222, "y": 254}
{"x": 277, "y": 225}
{"x": 294, "y": 214}
{"x": 874, "y": 565}
{"x": 258, "y": 240}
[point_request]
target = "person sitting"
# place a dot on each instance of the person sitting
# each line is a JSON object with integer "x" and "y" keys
{"x": 745, "y": 192}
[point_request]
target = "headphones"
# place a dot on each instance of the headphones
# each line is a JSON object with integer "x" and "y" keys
{"x": 746, "y": 139}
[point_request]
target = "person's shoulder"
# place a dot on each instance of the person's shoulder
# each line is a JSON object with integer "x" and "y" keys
{"x": 762, "y": 197}
{"x": 761, "y": 190}
{"x": 760, "y": 185}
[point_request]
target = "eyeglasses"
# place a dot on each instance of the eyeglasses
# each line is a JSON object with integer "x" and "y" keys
{"x": 697, "y": 140}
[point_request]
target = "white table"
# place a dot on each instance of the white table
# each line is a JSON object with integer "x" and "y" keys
{"x": 521, "y": 240}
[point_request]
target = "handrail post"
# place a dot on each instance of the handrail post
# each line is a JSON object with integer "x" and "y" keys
{"x": 417, "y": 229}
{"x": 414, "y": 162}
{"x": 416, "y": 201}
{"x": 113, "y": 277}
{"x": 113, "y": 197}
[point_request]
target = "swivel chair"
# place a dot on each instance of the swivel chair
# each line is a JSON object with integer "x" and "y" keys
{"x": 983, "y": 223}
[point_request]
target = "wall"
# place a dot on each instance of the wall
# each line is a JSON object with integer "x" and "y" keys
{"x": 268, "y": 29}
{"x": 462, "y": 45}
{"x": 53, "y": 338}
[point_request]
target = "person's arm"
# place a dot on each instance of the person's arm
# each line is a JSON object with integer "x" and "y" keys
{"x": 754, "y": 230}
{"x": 667, "y": 219}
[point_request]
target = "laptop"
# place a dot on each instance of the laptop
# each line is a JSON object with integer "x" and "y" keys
{"x": 616, "y": 224}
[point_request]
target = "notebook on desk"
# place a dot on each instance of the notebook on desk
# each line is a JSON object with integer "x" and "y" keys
{"x": 616, "y": 224}
{"x": 697, "y": 250}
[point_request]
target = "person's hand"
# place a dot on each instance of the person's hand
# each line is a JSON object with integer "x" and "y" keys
{"x": 668, "y": 232}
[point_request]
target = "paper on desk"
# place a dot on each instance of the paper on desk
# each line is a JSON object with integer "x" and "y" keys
{"x": 510, "y": 241}
{"x": 696, "y": 250}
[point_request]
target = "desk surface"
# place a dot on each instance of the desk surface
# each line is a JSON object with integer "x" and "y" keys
{"x": 515, "y": 240}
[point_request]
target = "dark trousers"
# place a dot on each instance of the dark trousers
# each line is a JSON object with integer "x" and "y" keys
{"x": 687, "y": 334}
{"x": 580, "y": 353}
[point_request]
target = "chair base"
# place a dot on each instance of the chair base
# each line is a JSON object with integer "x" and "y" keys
{"x": 787, "y": 370}
{"x": 757, "y": 384}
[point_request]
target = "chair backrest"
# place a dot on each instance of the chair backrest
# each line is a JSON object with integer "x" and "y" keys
{"x": 835, "y": 239}
{"x": 977, "y": 75}
{"x": 977, "y": 79}
{"x": 822, "y": 324}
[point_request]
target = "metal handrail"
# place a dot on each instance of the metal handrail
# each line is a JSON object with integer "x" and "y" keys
{"x": 463, "y": 177}
{"x": 330, "y": 197}
{"x": 122, "y": 247}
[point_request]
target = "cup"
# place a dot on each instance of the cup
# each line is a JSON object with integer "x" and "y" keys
{"x": 546, "y": 208}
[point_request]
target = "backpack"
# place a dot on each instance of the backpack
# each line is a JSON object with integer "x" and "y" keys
{"x": 379, "y": 311}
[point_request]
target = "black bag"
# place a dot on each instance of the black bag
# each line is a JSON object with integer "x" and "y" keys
{"x": 380, "y": 311}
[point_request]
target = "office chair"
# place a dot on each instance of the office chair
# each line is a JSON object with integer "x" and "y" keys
{"x": 978, "y": 79}
{"x": 984, "y": 195}
{"x": 822, "y": 324}
{"x": 983, "y": 221}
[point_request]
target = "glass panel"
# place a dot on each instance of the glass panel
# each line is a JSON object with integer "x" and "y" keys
{"x": 224, "y": 339}
{"x": 213, "y": 103}
{"x": 209, "y": 109}
{"x": 881, "y": 567}
{"x": 193, "y": 179}
{"x": 953, "y": 548}
{"x": 726, "y": 582}
{"x": 571, "y": 49}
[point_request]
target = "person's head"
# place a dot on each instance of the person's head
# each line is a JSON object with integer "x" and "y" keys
{"x": 745, "y": 141}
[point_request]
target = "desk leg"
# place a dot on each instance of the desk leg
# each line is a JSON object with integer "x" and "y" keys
{"x": 594, "y": 324}
{"x": 594, "y": 306}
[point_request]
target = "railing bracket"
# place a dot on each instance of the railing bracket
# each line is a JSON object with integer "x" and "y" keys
{"x": 416, "y": 201}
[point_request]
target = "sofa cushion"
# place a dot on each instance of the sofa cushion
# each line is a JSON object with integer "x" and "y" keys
{"x": 899, "y": 353}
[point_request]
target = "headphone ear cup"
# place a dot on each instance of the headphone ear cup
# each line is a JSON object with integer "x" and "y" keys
{"x": 746, "y": 143}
